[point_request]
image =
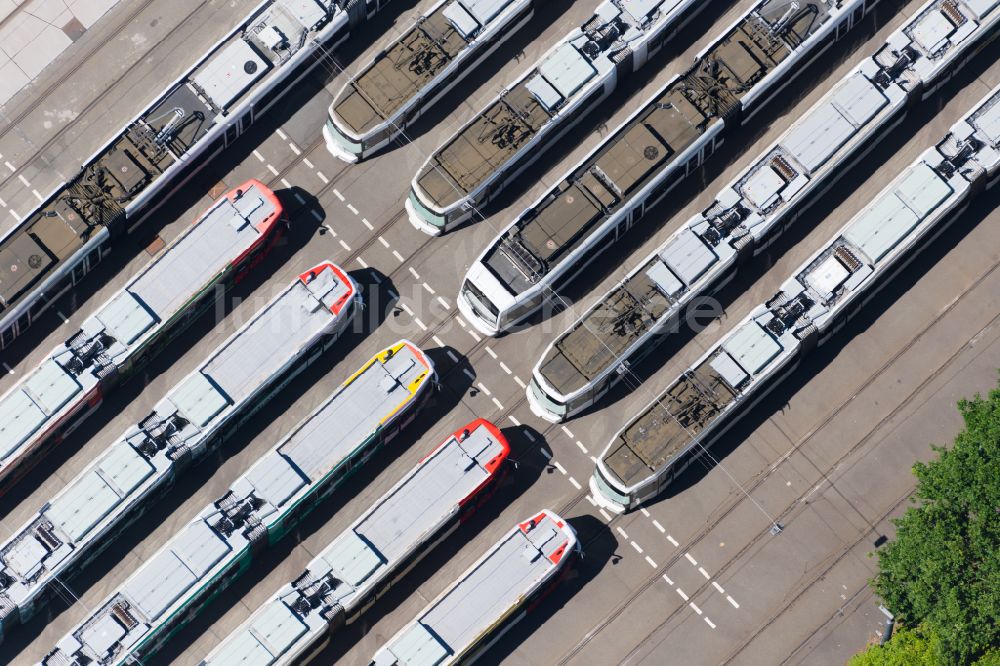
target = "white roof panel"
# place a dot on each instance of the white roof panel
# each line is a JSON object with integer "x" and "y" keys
{"x": 664, "y": 279}
{"x": 103, "y": 634}
{"x": 762, "y": 186}
{"x": 464, "y": 22}
{"x": 228, "y": 74}
{"x": 51, "y": 386}
{"x": 124, "y": 468}
{"x": 277, "y": 627}
{"x": 417, "y": 646}
{"x": 198, "y": 399}
{"x": 859, "y": 99}
{"x": 159, "y": 583}
{"x": 728, "y": 369}
{"x": 988, "y": 122}
{"x": 829, "y": 275}
{"x": 126, "y": 318}
{"x": 922, "y": 189}
{"x": 20, "y": 417}
{"x": 274, "y": 479}
{"x": 199, "y": 547}
{"x": 752, "y": 347}
{"x": 485, "y": 10}
{"x": 817, "y": 136}
{"x": 352, "y": 558}
{"x": 82, "y": 505}
{"x": 932, "y": 30}
{"x": 688, "y": 256}
{"x": 567, "y": 70}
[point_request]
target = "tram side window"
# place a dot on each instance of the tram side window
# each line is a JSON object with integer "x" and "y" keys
{"x": 266, "y": 100}
{"x": 7, "y": 336}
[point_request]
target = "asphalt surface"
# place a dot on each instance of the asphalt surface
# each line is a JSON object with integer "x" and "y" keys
{"x": 696, "y": 577}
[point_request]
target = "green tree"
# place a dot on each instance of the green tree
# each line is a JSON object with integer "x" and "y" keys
{"x": 907, "y": 647}
{"x": 943, "y": 568}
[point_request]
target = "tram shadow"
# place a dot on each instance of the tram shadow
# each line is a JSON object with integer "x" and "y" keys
{"x": 518, "y": 480}
{"x": 425, "y": 422}
{"x": 778, "y": 401}
{"x": 599, "y": 548}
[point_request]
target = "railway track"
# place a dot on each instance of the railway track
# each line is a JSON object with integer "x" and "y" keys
{"x": 791, "y": 510}
{"x": 15, "y": 121}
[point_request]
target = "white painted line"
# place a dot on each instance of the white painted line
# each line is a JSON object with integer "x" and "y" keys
{"x": 681, "y": 592}
{"x": 704, "y": 573}
{"x": 284, "y": 181}
{"x": 398, "y": 256}
{"x": 429, "y": 289}
{"x": 497, "y": 403}
{"x": 384, "y": 242}
{"x": 444, "y": 303}
{"x": 475, "y": 336}
{"x": 454, "y": 358}
{"x": 637, "y": 547}
{"x": 690, "y": 559}
{"x": 484, "y": 389}
{"x": 423, "y": 327}
{"x": 301, "y": 199}
{"x": 353, "y": 209}
{"x": 256, "y": 153}
{"x": 489, "y": 350}
{"x": 503, "y": 366}
{"x": 468, "y": 373}
{"x": 295, "y": 149}
{"x": 672, "y": 541}
{"x": 14, "y": 213}
{"x": 24, "y": 180}
{"x": 3, "y": 203}
{"x": 667, "y": 579}
{"x": 605, "y": 514}
{"x": 11, "y": 167}
{"x": 437, "y": 341}
{"x": 593, "y": 460}
{"x": 326, "y": 181}
{"x": 581, "y": 446}
{"x": 367, "y": 223}
{"x": 519, "y": 382}
{"x": 650, "y": 562}
{"x": 513, "y": 420}
{"x": 414, "y": 273}
{"x": 658, "y": 526}
{"x": 270, "y": 167}
{"x": 732, "y": 601}
{"x": 345, "y": 245}
{"x": 718, "y": 587}
{"x": 622, "y": 532}
{"x": 576, "y": 484}
{"x": 284, "y": 137}
{"x": 709, "y": 623}
{"x": 642, "y": 509}
{"x": 38, "y": 195}
{"x": 337, "y": 194}
{"x": 407, "y": 309}
{"x": 363, "y": 263}
{"x": 695, "y": 608}
{"x": 569, "y": 433}
{"x": 305, "y": 160}
{"x": 562, "y": 470}
{"x": 591, "y": 500}
{"x": 461, "y": 322}
{"x": 330, "y": 229}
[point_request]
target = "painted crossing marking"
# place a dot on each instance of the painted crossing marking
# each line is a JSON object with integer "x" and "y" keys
{"x": 489, "y": 350}
{"x": 562, "y": 470}
{"x": 667, "y": 579}
{"x": 428, "y": 288}
{"x": 319, "y": 174}
{"x": 673, "y": 541}
{"x": 337, "y": 194}
{"x": 305, "y": 160}
{"x": 576, "y": 484}
{"x": 732, "y": 601}
{"x": 437, "y": 341}
{"x": 270, "y": 167}
{"x": 650, "y": 562}
{"x": 704, "y": 573}
{"x": 345, "y": 245}
{"x": 497, "y": 403}
{"x": 368, "y": 224}
{"x": 683, "y": 596}
{"x": 444, "y": 303}
{"x": 484, "y": 389}
{"x": 295, "y": 149}
{"x": 658, "y": 526}
{"x": 256, "y": 153}
{"x": 519, "y": 382}
{"x": 503, "y": 366}
{"x": 605, "y": 514}
{"x": 695, "y": 608}
{"x": 637, "y": 547}
{"x": 622, "y": 532}
{"x": 284, "y": 181}
{"x": 421, "y": 324}
{"x": 24, "y": 180}
{"x": 353, "y": 209}
{"x": 398, "y": 256}
{"x": 709, "y": 623}
{"x": 414, "y": 273}
{"x": 284, "y": 137}
{"x": 363, "y": 263}
{"x": 569, "y": 433}
{"x": 690, "y": 559}
{"x": 384, "y": 242}
{"x": 513, "y": 420}
{"x": 581, "y": 447}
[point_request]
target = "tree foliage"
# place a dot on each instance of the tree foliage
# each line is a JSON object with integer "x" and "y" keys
{"x": 912, "y": 647}
{"x": 943, "y": 568}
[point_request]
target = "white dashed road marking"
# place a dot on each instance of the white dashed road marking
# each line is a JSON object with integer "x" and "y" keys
{"x": 345, "y": 245}
{"x": 673, "y": 541}
{"x": 732, "y": 601}
{"x": 695, "y": 608}
{"x": 718, "y": 587}
{"x": 353, "y": 209}
{"x": 681, "y": 592}
{"x": 658, "y": 526}
{"x": 576, "y": 484}
{"x": 667, "y": 579}
{"x": 398, "y": 256}
{"x": 690, "y": 559}
{"x": 709, "y": 623}
{"x": 337, "y": 194}
{"x": 319, "y": 174}
{"x": 704, "y": 573}
{"x": 637, "y": 547}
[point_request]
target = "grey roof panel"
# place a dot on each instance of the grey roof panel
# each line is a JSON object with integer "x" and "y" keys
{"x": 729, "y": 370}
{"x": 199, "y": 548}
{"x": 274, "y": 479}
{"x": 988, "y": 122}
{"x": 354, "y": 558}
{"x": 418, "y": 646}
{"x": 464, "y": 22}
{"x": 159, "y": 583}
